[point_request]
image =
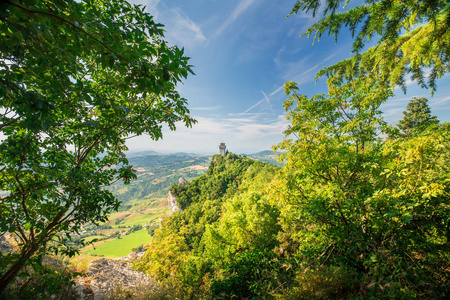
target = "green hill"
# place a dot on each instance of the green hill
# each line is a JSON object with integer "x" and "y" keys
{"x": 144, "y": 201}
{"x": 184, "y": 241}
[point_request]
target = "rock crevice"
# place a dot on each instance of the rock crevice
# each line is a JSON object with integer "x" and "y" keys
{"x": 104, "y": 276}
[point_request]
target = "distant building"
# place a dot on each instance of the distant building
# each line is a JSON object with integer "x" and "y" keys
{"x": 223, "y": 149}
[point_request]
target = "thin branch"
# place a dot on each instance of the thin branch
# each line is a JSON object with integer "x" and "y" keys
{"x": 332, "y": 245}
{"x": 31, "y": 11}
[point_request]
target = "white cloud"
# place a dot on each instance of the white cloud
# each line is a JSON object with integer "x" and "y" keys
{"x": 151, "y": 6}
{"x": 247, "y": 134}
{"x": 238, "y": 10}
{"x": 440, "y": 100}
{"x": 264, "y": 106}
{"x": 277, "y": 91}
{"x": 183, "y": 30}
{"x": 180, "y": 29}
{"x": 303, "y": 71}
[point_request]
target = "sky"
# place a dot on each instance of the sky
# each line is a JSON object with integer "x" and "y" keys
{"x": 243, "y": 51}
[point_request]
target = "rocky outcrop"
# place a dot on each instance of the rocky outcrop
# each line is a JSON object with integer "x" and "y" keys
{"x": 104, "y": 276}
{"x": 5, "y": 246}
{"x": 182, "y": 181}
{"x": 172, "y": 200}
{"x": 173, "y": 205}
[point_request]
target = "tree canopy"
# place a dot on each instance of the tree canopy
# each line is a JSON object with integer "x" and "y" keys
{"x": 417, "y": 116}
{"x": 77, "y": 78}
{"x": 411, "y": 37}
{"x": 352, "y": 214}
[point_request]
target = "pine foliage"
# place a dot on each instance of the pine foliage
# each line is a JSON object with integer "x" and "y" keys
{"x": 412, "y": 38}
{"x": 417, "y": 116}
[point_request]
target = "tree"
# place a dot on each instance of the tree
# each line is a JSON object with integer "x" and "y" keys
{"x": 413, "y": 38}
{"x": 77, "y": 79}
{"x": 417, "y": 116}
{"x": 361, "y": 202}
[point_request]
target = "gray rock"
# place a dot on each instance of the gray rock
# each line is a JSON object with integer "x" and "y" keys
{"x": 103, "y": 276}
{"x": 173, "y": 205}
{"x": 5, "y": 246}
{"x": 171, "y": 199}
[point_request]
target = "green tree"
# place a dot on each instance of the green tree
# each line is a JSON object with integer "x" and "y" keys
{"x": 417, "y": 116}
{"x": 362, "y": 203}
{"x": 77, "y": 78}
{"x": 413, "y": 38}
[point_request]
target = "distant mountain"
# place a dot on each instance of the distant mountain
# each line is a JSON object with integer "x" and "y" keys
{"x": 141, "y": 153}
{"x": 156, "y": 172}
{"x": 186, "y": 154}
{"x": 267, "y": 156}
{"x": 265, "y": 152}
{"x": 144, "y": 200}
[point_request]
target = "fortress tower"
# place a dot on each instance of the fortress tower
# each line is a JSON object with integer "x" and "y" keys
{"x": 223, "y": 149}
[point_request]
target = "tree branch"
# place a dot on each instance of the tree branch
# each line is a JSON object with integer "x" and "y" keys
{"x": 31, "y": 11}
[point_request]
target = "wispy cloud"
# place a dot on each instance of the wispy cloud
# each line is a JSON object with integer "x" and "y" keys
{"x": 276, "y": 91}
{"x": 264, "y": 105}
{"x": 238, "y": 10}
{"x": 440, "y": 100}
{"x": 303, "y": 71}
{"x": 152, "y": 7}
{"x": 180, "y": 28}
{"x": 247, "y": 134}
{"x": 184, "y": 31}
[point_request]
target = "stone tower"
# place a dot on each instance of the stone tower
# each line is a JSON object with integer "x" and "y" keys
{"x": 223, "y": 149}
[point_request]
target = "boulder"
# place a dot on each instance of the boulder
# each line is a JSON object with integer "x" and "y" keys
{"x": 5, "y": 246}
{"x": 103, "y": 276}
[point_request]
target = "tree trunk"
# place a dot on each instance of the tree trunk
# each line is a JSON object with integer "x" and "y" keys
{"x": 14, "y": 270}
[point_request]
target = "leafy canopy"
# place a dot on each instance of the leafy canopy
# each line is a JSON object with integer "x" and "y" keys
{"x": 77, "y": 78}
{"x": 359, "y": 201}
{"x": 412, "y": 38}
{"x": 417, "y": 116}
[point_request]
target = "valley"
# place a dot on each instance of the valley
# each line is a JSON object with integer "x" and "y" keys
{"x": 144, "y": 202}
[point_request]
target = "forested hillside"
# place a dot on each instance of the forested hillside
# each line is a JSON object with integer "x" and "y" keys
{"x": 216, "y": 223}
{"x": 356, "y": 207}
{"x": 362, "y": 218}
{"x": 156, "y": 173}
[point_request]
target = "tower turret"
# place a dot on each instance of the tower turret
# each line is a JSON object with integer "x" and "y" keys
{"x": 223, "y": 149}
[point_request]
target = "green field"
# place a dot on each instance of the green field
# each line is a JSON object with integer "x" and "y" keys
{"x": 140, "y": 219}
{"x": 120, "y": 247}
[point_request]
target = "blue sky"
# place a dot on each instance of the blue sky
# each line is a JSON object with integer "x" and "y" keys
{"x": 242, "y": 52}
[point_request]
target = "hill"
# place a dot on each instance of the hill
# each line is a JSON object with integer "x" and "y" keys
{"x": 182, "y": 250}
{"x": 268, "y": 156}
{"x": 144, "y": 201}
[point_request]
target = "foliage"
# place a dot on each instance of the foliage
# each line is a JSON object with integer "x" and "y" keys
{"x": 223, "y": 211}
{"x": 77, "y": 79}
{"x": 364, "y": 203}
{"x": 412, "y": 38}
{"x": 416, "y": 117}
{"x": 240, "y": 247}
{"x": 351, "y": 214}
{"x": 50, "y": 279}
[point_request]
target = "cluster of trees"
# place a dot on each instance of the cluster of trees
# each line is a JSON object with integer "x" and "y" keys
{"x": 180, "y": 254}
{"x": 77, "y": 78}
{"x": 350, "y": 215}
{"x": 360, "y": 208}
